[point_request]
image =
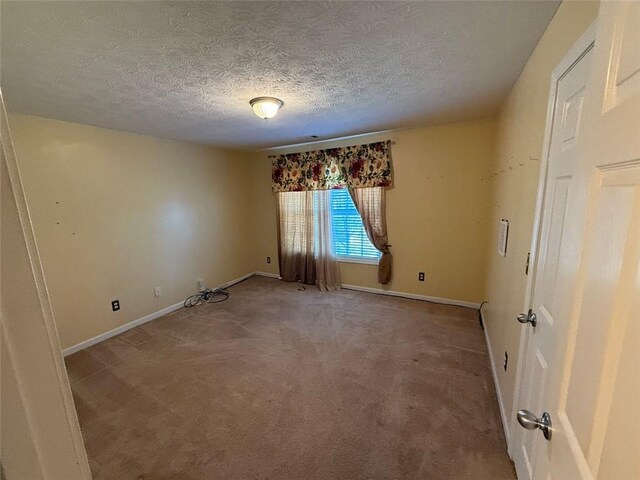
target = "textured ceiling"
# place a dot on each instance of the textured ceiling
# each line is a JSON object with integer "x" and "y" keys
{"x": 187, "y": 70}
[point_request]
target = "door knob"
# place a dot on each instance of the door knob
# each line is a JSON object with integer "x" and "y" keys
{"x": 528, "y": 317}
{"x": 529, "y": 421}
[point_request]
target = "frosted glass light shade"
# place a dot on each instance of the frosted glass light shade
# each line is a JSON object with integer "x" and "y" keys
{"x": 266, "y": 107}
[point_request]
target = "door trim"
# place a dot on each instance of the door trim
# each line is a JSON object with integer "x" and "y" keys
{"x": 53, "y": 344}
{"x": 584, "y": 44}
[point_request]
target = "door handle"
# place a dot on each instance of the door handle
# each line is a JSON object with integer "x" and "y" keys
{"x": 528, "y": 317}
{"x": 529, "y": 421}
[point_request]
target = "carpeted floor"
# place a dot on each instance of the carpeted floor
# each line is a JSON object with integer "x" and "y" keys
{"x": 277, "y": 383}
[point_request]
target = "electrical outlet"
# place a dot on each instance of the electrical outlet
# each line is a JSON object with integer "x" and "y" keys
{"x": 268, "y": 259}
{"x": 506, "y": 360}
{"x": 201, "y": 285}
{"x": 157, "y": 291}
{"x": 115, "y": 305}
{"x": 421, "y": 276}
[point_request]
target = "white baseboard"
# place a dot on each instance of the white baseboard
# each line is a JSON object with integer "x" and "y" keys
{"x": 147, "y": 318}
{"x": 267, "y": 274}
{"x": 413, "y": 296}
{"x": 494, "y": 372}
{"x": 231, "y": 283}
{"x": 121, "y": 329}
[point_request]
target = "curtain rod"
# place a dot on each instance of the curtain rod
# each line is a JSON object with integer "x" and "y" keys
{"x": 388, "y": 142}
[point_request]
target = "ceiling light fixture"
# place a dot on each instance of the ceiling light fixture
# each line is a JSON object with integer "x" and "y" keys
{"x": 266, "y": 107}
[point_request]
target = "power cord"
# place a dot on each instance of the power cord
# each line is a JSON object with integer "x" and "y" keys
{"x": 218, "y": 295}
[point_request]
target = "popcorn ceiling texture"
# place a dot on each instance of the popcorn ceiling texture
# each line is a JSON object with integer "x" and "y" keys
{"x": 187, "y": 70}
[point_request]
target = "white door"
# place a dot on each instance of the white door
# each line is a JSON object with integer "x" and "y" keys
{"x": 551, "y": 288}
{"x": 583, "y": 361}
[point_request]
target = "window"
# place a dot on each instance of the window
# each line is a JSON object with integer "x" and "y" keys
{"x": 349, "y": 238}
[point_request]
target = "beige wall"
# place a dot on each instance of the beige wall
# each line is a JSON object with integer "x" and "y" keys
{"x": 514, "y": 179}
{"x": 117, "y": 214}
{"x": 436, "y": 212}
{"x": 17, "y": 447}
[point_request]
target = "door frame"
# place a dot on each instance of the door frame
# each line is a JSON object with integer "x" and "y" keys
{"x": 583, "y": 45}
{"x": 75, "y": 465}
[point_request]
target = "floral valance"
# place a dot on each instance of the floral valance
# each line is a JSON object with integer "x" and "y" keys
{"x": 357, "y": 166}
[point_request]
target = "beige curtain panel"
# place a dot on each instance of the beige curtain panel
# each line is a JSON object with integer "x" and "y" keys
{"x": 305, "y": 239}
{"x": 370, "y": 203}
{"x": 327, "y": 268}
{"x": 296, "y": 232}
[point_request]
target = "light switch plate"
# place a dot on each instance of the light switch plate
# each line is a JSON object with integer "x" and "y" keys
{"x": 503, "y": 237}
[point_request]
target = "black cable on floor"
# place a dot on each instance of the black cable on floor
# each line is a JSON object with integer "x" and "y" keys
{"x": 218, "y": 295}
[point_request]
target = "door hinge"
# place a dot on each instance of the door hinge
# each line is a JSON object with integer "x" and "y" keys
{"x": 526, "y": 267}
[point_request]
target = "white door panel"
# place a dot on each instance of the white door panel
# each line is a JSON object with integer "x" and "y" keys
{"x": 611, "y": 216}
{"x": 619, "y": 457}
{"x": 586, "y": 292}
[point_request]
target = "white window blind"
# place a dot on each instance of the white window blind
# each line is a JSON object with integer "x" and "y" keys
{"x": 350, "y": 239}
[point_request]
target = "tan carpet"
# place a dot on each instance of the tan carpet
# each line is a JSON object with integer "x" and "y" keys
{"x": 276, "y": 383}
